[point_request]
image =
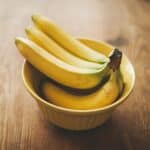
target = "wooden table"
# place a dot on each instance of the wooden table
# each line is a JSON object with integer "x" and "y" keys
{"x": 125, "y": 24}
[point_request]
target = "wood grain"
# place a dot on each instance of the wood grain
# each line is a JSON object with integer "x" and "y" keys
{"x": 125, "y": 24}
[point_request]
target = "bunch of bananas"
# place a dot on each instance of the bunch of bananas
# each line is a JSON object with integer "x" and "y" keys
{"x": 70, "y": 65}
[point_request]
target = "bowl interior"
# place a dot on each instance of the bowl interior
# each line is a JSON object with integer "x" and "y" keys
{"x": 32, "y": 77}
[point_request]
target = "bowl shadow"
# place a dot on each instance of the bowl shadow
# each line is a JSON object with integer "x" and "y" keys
{"x": 106, "y": 137}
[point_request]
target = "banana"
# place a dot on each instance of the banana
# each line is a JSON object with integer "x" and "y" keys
{"x": 51, "y": 46}
{"x": 68, "y": 75}
{"x": 105, "y": 95}
{"x": 120, "y": 82}
{"x": 67, "y": 41}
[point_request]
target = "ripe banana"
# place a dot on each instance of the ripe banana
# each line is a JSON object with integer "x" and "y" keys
{"x": 105, "y": 95}
{"x": 67, "y": 41}
{"x": 51, "y": 46}
{"x": 71, "y": 76}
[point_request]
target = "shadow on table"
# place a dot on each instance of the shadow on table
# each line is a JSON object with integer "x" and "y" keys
{"x": 104, "y": 137}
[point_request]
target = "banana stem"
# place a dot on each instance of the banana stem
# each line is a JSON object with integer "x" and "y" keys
{"x": 115, "y": 59}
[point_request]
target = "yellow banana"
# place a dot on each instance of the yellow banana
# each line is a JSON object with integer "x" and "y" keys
{"x": 67, "y": 41}
{"x": 58, "y": 70}
{"x": 51, "y": 46}
{"x": 105, "y": 95}
{"x": 120, "y": 82}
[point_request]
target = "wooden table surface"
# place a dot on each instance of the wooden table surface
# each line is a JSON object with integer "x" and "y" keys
{"x": 123, "y": 23}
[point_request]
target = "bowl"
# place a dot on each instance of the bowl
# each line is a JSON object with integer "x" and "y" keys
{"x": 78, "y": 119}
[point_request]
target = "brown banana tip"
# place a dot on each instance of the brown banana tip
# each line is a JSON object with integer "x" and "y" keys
{"x": 33, "y": 17}
{"x": 115, "y": 59}
{"x": 26, "y": 30}
{"x": 16, "y": 41}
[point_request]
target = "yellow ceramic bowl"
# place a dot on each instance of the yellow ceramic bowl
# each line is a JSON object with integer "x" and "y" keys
{"x": 78, "y": 119}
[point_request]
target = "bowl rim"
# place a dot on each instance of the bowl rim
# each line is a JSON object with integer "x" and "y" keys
{"x": 69, "y": 110}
